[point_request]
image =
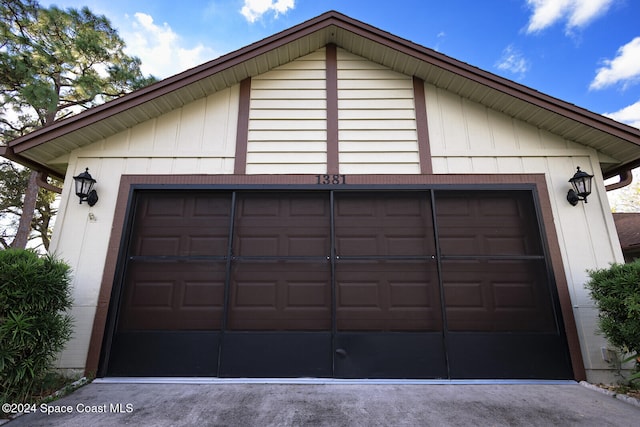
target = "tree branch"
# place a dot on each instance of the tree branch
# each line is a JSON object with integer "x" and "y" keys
{"x": 4, "y": 243}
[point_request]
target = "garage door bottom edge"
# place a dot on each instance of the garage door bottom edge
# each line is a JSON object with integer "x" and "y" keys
{"x": 207, "y": 380}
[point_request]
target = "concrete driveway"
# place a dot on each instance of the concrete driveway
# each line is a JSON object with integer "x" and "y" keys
{"x": 336, "y": 404}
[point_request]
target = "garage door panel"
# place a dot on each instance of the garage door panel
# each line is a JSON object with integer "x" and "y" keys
{"x": 157, "y": 243}
{"x": 179, "y": 241}
{"x": 276, "y": 355}
{"x": 181, "y": 225}
{"x": 173, "y": 296}
{"x": 164, "y": 207}
{"x": 487, "y": 223}
{"x": 507, "y": 356}
{"x": 272, "y": 206}
{"x": 461, "y": 241}
{"x": 165, "y": 354}
{"x": 258, "y": 243}
{"x": 390, "y": 355}
{"x": 280, "y": 296}
{"x": 282, "y": 224}
{"x": 372, "y": 241}
{"x": 387, "y": 296}
{"x": 206, "y": 244}
{"x": 516, "y": 299}
{"x": 383, "y": 224}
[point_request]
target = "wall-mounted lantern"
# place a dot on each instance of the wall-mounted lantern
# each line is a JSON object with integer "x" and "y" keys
{"x": 84, "y": 188}
{"x": 581, "y": 183}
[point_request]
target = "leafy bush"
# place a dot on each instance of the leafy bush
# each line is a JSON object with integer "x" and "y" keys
{"x": 34, "y": 293}
{"x": 616, "y": 291}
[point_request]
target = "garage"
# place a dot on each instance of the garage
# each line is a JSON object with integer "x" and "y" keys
{"x": 380, "y": 282}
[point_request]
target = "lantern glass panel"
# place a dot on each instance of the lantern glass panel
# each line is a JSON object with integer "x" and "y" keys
{"x": 84, "y": 186}
{"x": 581, "y": 183}
{"x": 587, "y": 185}
{"x": 84, "y": 183}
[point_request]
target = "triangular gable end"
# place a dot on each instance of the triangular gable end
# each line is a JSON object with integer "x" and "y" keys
{"x": 378, "y": 117}
{"x": 617, "y": 141}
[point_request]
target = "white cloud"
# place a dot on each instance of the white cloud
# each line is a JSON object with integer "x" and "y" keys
{"x": 160, "y": 49}
{"x": 513, "y": 61}
{"x": 254, "y": 9}
{"x": 440, "y": 37}
{"x": 629, "y": 115}
{"x": 624, "y": 67}
{"x": 578, "y": 13}
{"x": 585, "y": 11}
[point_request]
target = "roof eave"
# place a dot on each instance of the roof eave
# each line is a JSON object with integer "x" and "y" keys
{"x": 168, "y": 85}
{"x": 9, "y": 154}
{"x": 330, "y": 20}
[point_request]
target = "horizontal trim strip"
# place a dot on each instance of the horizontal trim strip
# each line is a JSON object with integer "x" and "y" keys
{"x": 181, "y": 258}
{"x": 280, "y": 258}
{"x": 491, "y": 257}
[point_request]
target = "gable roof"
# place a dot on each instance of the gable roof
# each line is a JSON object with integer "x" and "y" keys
{"x": 616, "y": 140}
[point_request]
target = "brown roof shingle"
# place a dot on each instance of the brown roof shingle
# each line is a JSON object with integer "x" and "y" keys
{"x": 628, "y": 226}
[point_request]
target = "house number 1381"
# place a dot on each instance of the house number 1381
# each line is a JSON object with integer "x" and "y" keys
{"x": 331, "y": 179}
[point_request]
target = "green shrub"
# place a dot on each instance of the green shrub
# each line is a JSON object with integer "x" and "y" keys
{"x": 34, "y": 293}
{"x": 616, "y": 292}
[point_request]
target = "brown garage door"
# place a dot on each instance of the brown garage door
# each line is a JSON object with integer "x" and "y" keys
{"x": 498, "y": 291}
{"x": 172, "y": 298}
{"x": 376, "y": 284}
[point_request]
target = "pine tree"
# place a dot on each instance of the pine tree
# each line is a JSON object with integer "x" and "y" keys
{"x": 53, "y": 63}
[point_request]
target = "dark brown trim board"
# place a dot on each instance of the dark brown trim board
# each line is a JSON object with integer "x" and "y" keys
{"x": 422, "y": 126}
{"x": 242, "y": 133}
{"x": 354, "y": 181}
{"x": 332, "y": 109}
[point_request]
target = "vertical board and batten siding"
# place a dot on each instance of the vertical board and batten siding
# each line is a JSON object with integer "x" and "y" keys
{"x": 288, "y": 118}
{"x": 376, "y": 119}
{"x": 466, "y": 137}
{"x": 198, "y": 138}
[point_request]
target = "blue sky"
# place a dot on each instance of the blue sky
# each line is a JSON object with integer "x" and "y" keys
{"x": 586, "y": 52}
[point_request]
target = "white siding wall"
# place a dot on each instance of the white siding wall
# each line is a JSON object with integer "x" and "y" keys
{"x": 377, "y": 134}
{"x": 376, "y": 119}
{"x": 288, "y": 118}
{"x": 467, "y": 137}
{"x": 198, "y": 138}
